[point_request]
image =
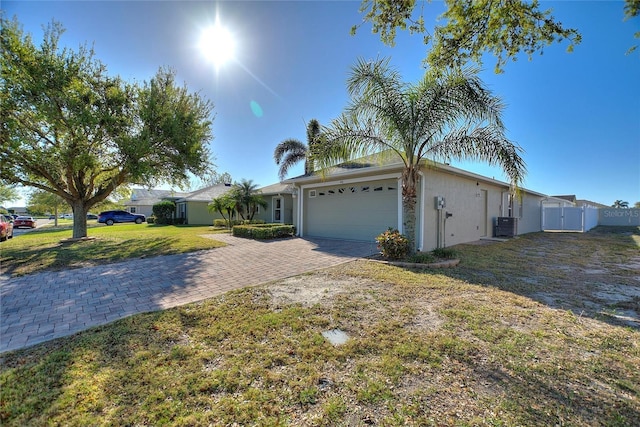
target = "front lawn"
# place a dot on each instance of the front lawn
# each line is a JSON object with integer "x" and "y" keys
{"x": 524, "y": 333}
{"x": 43, "y": 248}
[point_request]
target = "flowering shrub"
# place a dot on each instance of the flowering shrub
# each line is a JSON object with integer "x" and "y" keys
{"x": 393, "y": 244}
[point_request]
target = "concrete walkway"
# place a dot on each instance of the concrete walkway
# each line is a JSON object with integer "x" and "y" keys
{"x": 43, "y": 306}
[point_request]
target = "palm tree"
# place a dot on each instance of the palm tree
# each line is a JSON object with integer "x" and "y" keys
{"x": 222, "y": 204}
{"x": 446, "y": 115}
{"x": 292, "y": 151}
{"x": 620, "y": 204}
{"x": 248, "y": 198}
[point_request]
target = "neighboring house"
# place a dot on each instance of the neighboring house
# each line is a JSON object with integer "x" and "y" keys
{"x": 359, "y": 200}
{"x": 572, "y": 200}
{"x": 18, "y": 210}
{"x": 142, "y": 200}
{"x": 558, "y": 202}
{"x": 194, "y": 206}
{"x": 590, "y": 204}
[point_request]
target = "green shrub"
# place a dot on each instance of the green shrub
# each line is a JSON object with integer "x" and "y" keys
{"x": 393, "y": 244}
{"x": 263, "y": 231}
{"x": 219, "y": 222}
{"x": 444, "y": 253}
{"x": 164, "y": 211}
{"x": 254, "y": 221}
{"x": 422, "y": 258}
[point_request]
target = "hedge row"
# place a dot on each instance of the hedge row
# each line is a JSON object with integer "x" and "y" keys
{"x": 219, "y": 222}
{"x": 164, "y": 221}
{"x": 264, "y": 231}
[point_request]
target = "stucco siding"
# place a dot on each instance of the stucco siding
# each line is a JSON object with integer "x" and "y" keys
{"x": 198, "y": 214}
{"x": 355, "y": 211}
{"x": 530, "y": 216}
{"x": 472, "y": 205}
{"x": 146, "y": 210}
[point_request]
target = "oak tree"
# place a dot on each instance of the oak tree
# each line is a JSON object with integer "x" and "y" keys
{"x": 69, "y": 128}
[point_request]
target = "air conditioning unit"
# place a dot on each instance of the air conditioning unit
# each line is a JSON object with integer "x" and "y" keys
{"x": 506, "y": 227}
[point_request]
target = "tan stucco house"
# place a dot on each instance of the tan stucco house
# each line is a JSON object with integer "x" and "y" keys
{"x": 359, "y": 200}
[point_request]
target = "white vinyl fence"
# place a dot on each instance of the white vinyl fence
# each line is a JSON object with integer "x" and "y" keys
{"x": 580, "y": 219}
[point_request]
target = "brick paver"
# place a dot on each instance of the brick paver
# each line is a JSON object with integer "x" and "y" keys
{"x": 43, "y": 306}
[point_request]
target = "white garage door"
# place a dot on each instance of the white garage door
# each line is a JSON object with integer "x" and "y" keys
{"x": 354, "y": 212}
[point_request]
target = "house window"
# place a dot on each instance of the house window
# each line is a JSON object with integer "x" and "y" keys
{"x": 277, "y": 209}
{"x": 515, "y": 204}
{"x": 132, "y": 209}
{"x": 312, "y": 194}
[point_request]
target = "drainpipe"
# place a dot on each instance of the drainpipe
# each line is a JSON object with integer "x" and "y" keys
{"x": 444, "y": 231}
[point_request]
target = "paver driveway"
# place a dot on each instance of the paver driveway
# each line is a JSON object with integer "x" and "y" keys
{"x": 39, "y": 307}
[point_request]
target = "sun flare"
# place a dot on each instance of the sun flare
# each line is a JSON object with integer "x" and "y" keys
{"x": 217, "y": 44}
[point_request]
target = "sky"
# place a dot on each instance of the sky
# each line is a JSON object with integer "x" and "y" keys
{"x": 576, "y": 115}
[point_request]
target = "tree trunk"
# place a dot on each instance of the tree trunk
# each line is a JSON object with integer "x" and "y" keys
{"x": 409, "y": 201}
{"x": 79, "y": 219}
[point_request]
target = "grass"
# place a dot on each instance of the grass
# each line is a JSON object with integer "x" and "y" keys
{"x": 475, "y": 345}
{"x": 43, "y": 249}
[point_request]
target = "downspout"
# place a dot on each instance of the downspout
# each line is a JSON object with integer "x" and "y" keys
{"x": 300, "y": 207}
{"x": 423, "y": 191}
{"x": 400, "y": 210}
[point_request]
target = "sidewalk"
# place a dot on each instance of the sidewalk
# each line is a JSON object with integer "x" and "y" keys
{"x": 43, "y": 306}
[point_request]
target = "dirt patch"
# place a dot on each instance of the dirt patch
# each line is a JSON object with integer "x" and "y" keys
{"x": 309, "y": 290}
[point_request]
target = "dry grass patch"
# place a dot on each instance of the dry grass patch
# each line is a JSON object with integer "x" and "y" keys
{"x": 464, "y": 347}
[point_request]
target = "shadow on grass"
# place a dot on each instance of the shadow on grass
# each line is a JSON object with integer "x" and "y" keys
{"x": 592, "y": 274}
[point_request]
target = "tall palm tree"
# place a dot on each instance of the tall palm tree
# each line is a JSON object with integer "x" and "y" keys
{"x": 446, "y": 115}
{"x": 620, "y": 204}
{"x": 292, "y": 151}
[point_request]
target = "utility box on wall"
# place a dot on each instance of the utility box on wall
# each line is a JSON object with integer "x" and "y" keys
{"x": 506, "y": 227}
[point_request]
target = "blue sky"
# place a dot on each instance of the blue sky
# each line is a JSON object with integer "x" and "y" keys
{"x": 577, "y": 116}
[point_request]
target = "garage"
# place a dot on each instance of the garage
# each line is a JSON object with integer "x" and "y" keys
{"x": 355, "y": 211}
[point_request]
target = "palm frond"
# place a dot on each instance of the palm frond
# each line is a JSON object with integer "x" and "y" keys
{"x": 487, "y": 144}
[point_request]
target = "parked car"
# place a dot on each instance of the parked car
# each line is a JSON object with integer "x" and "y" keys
{"x": 6, "y": 227}
{"x": 111, "y": 217}
{"x": 67, "y": 216}
{"x": 52, "y": 217}
{"x": 24, "y": 221}
{"x": 92, "y": 216}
